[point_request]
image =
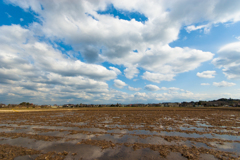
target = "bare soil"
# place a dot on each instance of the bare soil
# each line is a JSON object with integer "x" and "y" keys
{"x": 191, "y": 132}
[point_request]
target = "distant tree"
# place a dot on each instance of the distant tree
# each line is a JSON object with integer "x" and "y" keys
{"x": 23, "y": 104}
{"x": 222, "y": 99}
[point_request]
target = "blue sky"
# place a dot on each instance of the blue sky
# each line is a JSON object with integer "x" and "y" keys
{"x": 119, "y": 52}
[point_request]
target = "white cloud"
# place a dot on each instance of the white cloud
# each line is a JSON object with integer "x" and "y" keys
{"x": 176, "y": 95}
{"x": 133, "y": 89}
{"x": 238, "y": 38}
{"x": 118, "y": 38}
{"x": 29, "y": 68}
{"x": 223, "y": 84}
{"x": 141, "y": 96}
{"x": 174, "y": 88}
{"x": 131, "y": 72}
{"x": 119, "y": 84}
{"x": 165, "y": 63}
{"x": 164, "y": 88}
{"x": 228, "y": 60}
{"x": 33, "y": 68}
{"x": 116, "y": 70}
{"x": 205, "y": 84}
{"x": 21, "y": 19}
{"x": 151, "y": 87}
{"x": 157, "y": 77}
{"x": 206, "y": 74}
{"x": 16, "y": 54}
{"x": 193, "y": 28}
{"x": 232, "y": 47}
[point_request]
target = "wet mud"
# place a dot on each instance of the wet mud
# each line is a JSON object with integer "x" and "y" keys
{"x": 121, "y": 133}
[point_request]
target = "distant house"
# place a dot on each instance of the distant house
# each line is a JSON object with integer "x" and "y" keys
{"x": 165, "y": 104}
{"x": 198, "y": 105}
{"x": 161, "y": 105}
{"x": 65, "y": 106}
{"x": 173, "y": 104}
{"x": 189, "y": 105}
{"x": 2, "y": 105}
{"x": 68, "y": 106}
{"x": 170, "y": 104}
{"x": 54, "y": 106}
{"x": 186, "y": 104}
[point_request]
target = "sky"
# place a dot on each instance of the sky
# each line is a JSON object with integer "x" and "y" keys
{"x": 111, "y": 51}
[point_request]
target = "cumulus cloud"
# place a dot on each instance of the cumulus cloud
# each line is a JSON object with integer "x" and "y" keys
{"x": 206, "y": 74}
{"x": 174, "y": 89}
{"x": 29, "y": 68}
{"x": 223, "y": 84}
{"x": 133, "y": 89}
{"x": 214, "y": 12}
{"x": 32, "y": 67}
{"x": 164, "y": 88}
{"x": 165, "y": 63}
{"x": 228, "y": 60}
{"x": 193, "y": 28}
{"x": 131, "y": 72}
{"x": 116, "y": 70}
{"x": 151, "y": 87}
{"x": 14, "y": 52}
{"x": 142, "y": 96}
{"x": 175, "y": 96}
{"x": 119, "y": 84}
{"x": 156, "y": 77}
{"x": 107, "y": 38}
{"x": 205, "y": 84}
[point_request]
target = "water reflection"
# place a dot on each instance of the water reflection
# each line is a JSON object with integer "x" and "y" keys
{"x": 110, "y": 129}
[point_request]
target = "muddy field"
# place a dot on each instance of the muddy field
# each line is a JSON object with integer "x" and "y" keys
{"x": 121, "y": 133}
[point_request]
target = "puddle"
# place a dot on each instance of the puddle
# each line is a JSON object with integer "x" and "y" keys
{"x": 145, "y": 129}
{"x": 92, "y": 152}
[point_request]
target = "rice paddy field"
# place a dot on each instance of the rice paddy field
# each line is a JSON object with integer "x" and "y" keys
{"x": 120, "y": 133}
